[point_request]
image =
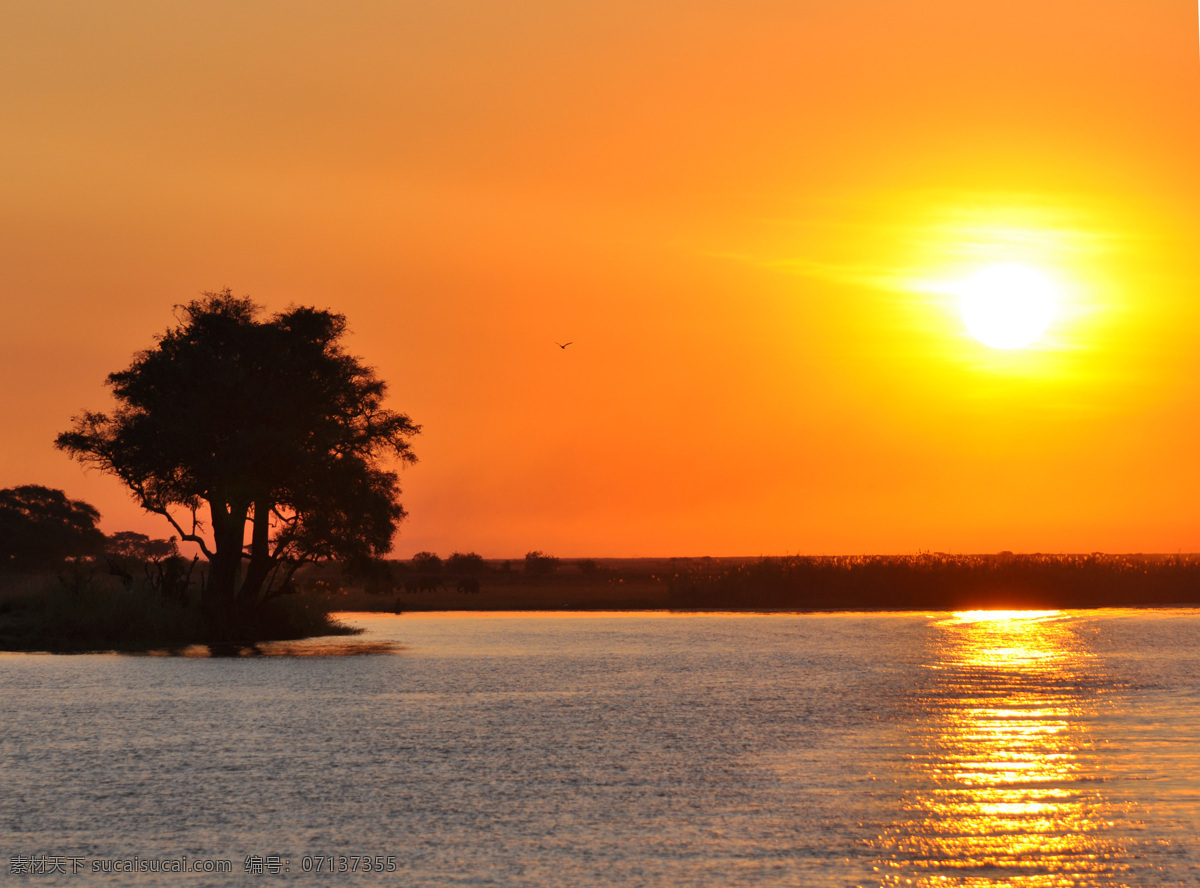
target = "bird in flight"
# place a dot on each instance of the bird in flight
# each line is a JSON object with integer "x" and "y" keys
{"x": 562, "y": 344}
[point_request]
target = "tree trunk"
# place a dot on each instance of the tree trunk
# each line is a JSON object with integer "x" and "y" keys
{"x": 228, "y": 525}
{"x": 260, "y": 555}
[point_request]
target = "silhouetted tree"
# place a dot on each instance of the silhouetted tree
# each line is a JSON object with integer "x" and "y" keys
{"x": 540, "y": 563}
{"x": 469, "y": 563}
{"x": 138, "y": 546}
{"x": 127, "y": 552}
{"x": 232, "y": 424}
{"x": 41, "y": 527}
{"x": 427, "y": 563}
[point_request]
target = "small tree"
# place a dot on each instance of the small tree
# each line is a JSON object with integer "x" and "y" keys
{"x": 260, "y": 441}
{"x": 42, "y": 527}
{"x": 126, "y": 550}
{"x": 468, "y": 563}
{"x": 427, "y": 563}
{"x": 539, "y": 563}
{"x": 138, "y": 547}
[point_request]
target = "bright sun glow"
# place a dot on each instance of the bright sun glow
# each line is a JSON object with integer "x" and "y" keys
{"x": 989, "y": 616}
{"x": 1007, "y": 306}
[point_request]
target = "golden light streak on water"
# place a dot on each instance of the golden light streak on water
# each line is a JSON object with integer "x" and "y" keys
{"x": 1004, "y": 786}
{"x": 1006, "y": 616}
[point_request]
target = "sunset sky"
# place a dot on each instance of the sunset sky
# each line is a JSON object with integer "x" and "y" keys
{"x": 751, "y": 219}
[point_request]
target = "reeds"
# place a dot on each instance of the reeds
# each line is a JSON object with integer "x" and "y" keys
{"x": 103, "y": 615}
{"x": 942, "y": 581}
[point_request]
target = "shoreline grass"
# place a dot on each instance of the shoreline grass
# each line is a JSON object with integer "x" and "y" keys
{"x": 933, "y": 581}
{"x": 105, "y": 616}
{"x": 89, "y": 613}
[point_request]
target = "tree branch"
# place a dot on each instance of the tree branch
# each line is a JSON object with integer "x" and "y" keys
{"x": 183, "y": 535}
{"x": 150, "y": 506}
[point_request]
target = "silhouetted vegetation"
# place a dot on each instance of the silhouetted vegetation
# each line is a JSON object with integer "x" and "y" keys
{"x": 926, "y": 581}
{"x": 41, "y": 527}
{"x": 130, "y": 555}
{"x": 467, "y": 564}
{"x": 375, "y": 576}
{"x": 104, "y": 615}
{"x": 427, "y": 563}
{"x": 232, "y": 422}
{"x": 138, "y": 547}
{"x": 539, "y": 563}
{"x": 941, "y": 582}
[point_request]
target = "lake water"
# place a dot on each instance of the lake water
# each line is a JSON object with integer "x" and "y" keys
{"x": 625, "y": 749}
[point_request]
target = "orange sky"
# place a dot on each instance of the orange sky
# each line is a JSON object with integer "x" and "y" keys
{"x": 745, "y": 215}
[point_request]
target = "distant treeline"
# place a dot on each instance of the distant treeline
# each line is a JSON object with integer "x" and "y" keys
{"x": 383, "y": 577}
{"x": 925, "y": 581}
{"x": 940, "y": 581}
{"x": 472, "y": 564}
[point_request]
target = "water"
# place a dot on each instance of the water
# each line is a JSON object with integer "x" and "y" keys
{"x": 626, "y": 749}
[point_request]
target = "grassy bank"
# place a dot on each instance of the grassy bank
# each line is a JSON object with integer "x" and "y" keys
{"x": 939, "y": 581}
{"x": 69, "y": 613}
{"x": 44, "y": 613}
{"x": 931, "y": 581}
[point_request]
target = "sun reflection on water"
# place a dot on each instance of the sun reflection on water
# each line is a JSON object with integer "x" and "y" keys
{"x": 1004, "y": 791}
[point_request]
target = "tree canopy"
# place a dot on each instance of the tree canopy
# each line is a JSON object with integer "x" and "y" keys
{"x": 134, "y": 546}
{"x": 538, "y": 562}
{"x": 466, "y": 563}
{"x": 40, "y": 527}
{"x": 260, "y": 440}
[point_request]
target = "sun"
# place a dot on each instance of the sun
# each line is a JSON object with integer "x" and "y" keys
{"x": 1007, "y": 306}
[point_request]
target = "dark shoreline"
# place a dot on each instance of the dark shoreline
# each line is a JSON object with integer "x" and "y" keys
{"x": 927, "y": 581}
{"x": 47, "y": 615}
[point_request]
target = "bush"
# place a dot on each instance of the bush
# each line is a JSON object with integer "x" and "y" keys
{"x": 138, "y": 547}
{"x": 539, "y": 563}
{"x": 469, "y": 563}
{"x": 426, "y": 563}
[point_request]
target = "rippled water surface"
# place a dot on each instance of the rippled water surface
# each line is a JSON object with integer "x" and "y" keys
{"x": 1047, "y": 749}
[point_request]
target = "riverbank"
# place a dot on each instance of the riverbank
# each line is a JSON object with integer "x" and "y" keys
{"x": 934, "y": 581}
{"x": 66, "y": 614}
{"x": 40, "y": 613}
